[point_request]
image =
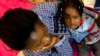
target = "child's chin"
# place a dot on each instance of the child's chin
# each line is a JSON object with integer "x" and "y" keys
{"x": 73, "y": 28}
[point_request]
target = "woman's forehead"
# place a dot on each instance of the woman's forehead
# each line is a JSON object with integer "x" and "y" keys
{"x": 41, "y": 27}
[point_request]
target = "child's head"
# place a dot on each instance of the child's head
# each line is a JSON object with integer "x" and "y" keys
{"x": 71, "y": 12}
{"x": 17, "y": 27}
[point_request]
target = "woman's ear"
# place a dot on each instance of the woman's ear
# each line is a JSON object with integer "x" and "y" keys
{"x": 33, "y": 35}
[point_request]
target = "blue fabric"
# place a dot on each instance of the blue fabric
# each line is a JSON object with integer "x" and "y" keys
{"x": 47, "y": 11}
{"x": 78, "y": 36}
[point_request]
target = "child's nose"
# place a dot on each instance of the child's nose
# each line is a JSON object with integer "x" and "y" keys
{"x": 72, "y": 21}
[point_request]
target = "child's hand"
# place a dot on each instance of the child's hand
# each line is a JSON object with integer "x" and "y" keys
{"x": 54, "y": 40}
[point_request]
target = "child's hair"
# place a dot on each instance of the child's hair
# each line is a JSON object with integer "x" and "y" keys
{"x": 77, "y": 4}
{"x": 16, "y": 26}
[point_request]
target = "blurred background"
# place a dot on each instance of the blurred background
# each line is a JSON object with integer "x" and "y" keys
{"x": 93, "y": 4}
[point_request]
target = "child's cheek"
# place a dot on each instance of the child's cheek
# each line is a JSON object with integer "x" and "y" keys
{"x": 67, "y": 23}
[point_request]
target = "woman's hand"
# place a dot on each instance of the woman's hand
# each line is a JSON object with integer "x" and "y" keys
{"x": 46, "y": 47}
{"x": 37, "y": 1}
{"x": 41, "y": 1}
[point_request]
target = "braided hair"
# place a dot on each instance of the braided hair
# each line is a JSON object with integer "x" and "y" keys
{"x": 77, "y": 4}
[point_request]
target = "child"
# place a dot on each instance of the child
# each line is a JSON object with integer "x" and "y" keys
{"x": 80, "y": 25}
{"x": 20, "y": 29}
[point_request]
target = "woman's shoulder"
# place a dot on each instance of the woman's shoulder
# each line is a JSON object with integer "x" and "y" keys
{"x": 20, "y": 53}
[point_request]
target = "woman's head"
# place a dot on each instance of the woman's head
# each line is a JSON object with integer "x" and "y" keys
{"x": 16, "y": 26}
{"x": 71, "y": 12}
{"x": 36, "y": 37}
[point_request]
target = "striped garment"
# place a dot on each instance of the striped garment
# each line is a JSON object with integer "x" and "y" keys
{"x": 94, "y": 32}
{"x": 88, "y": 30}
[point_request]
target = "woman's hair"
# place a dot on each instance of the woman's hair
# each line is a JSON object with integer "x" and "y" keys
{"x": 16, "y": 26}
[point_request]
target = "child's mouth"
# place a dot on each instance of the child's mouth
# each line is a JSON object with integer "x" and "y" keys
{"x": 73, "y": 27}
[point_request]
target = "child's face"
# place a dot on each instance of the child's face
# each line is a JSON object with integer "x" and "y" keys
{"x": 72, "y": 18}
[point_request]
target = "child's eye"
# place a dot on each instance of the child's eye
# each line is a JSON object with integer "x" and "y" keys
{"x": 75, "y": 17}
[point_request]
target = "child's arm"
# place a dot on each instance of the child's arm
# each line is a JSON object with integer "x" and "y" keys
{"x": 91, "y": 12}
{"x": 94, "y": 32}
